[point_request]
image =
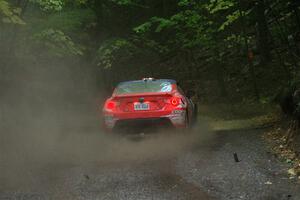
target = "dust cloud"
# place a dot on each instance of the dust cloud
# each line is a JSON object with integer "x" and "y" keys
{"x": 50, "y": 117}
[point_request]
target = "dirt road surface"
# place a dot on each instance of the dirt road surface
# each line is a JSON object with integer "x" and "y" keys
{"x": 72, "y": 159}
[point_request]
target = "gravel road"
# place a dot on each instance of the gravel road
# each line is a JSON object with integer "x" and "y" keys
{"x": 73, "y": 160}
{"x": 51, "y": 148}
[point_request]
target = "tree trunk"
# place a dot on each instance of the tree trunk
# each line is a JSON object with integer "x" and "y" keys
{"x": 263, "y": 32}
{"x": 247, "y": 51}
{"x": 220, "y": 75}
{"x": 220, "y": 79}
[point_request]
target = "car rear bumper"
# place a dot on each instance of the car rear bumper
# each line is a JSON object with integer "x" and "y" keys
{"x": 142, "y": 123}
{"x": 175, "y": 119}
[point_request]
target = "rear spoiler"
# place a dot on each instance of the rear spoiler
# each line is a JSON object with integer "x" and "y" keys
{"x": 169, "y": 94}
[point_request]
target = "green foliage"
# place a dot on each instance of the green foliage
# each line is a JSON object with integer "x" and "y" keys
{"x": 184, "y": 3}
{"x": 57, "y": 43}
{"x": 9, "y": 14}
{"x": 143, "y": 28}
{"x": 128, "y": 3}
{"x": 233, "y": 40}
{"x": 122, "y": 2}
{"x": 57, "y": 5}
{"x": 114, "y": 52}
{"x": 229, "y": 8}
{"x": 209, "y": 36}
{"x": 161, "y": 24}
{"x": 76, "y": 2}
{"x": 230, "y": 19}
{"x": 190, "y": 27}
{"x": 215, "y": 6}
{"x": 196, "y": 24}
{"x": 70, "y": 21}
{"x": 50, "y": 5}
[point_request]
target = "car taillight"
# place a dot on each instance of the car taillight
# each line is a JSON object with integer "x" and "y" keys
{"x": 175, "y": 101}
{"x": 110, "y": 105}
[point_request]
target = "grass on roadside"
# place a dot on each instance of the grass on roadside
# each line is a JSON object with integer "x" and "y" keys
{"x": 244, "y": 115}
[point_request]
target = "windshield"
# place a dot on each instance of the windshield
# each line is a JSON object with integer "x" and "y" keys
{"x": 144, "y": 87}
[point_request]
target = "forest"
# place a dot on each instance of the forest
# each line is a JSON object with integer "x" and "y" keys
{"x": 227, "y": 50}
{"x": 234, "y": 52}
{"x": 61, "y": 59}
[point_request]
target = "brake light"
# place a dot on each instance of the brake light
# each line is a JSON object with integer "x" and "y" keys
{"x": 110, "y": 105}
{"x": 175, "y": 101}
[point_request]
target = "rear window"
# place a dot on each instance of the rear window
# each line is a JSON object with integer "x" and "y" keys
{"x": 144, "y": 87}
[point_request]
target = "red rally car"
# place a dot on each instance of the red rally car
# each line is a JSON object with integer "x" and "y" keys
{"x": 149, "y": 102}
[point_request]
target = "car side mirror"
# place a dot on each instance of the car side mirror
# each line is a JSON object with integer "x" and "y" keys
{"x": 190, "y": 93}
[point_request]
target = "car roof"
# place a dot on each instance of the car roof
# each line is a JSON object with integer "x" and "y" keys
{"x": 141, "y": 81}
